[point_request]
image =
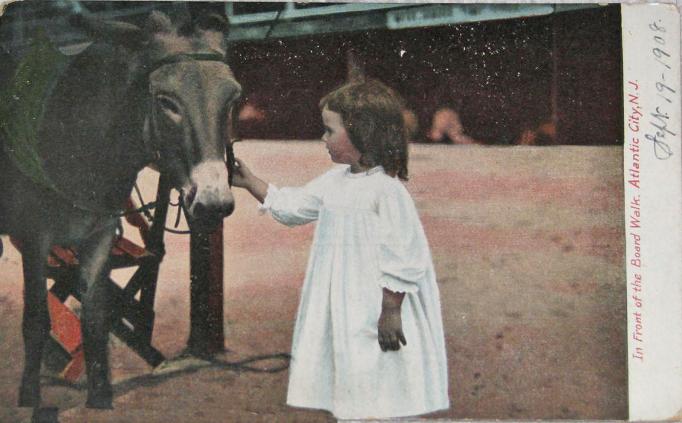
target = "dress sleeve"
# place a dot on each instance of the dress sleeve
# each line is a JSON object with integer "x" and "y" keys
{"x": 294, "y": 206}
{"x": 403, "y": 251}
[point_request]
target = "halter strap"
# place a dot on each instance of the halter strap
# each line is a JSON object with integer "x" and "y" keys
{"x": 182, "y": 57}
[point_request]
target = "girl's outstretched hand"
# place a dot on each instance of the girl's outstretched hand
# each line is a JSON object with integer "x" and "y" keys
{"x": 242, "y": 176}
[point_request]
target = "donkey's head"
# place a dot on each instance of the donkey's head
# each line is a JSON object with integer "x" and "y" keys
{"x": 188, "y": 95}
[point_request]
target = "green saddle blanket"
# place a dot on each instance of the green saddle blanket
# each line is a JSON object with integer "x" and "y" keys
{"x": 22, "y": 107}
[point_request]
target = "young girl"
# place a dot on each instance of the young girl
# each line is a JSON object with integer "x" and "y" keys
{"x": 368, "y": 340}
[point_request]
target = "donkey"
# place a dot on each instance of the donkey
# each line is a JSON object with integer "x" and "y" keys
{"x": 160, "y": 93}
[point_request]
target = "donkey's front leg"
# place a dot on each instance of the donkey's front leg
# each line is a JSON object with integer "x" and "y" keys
{"x": 96, "y": 318}
{"x": 36, "y": 319}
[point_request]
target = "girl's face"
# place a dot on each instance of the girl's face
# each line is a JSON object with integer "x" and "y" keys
{"x": 336, "y": 138}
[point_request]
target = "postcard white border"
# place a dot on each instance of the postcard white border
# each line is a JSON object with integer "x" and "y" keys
{"x": 653, "y": 212}
{"x": 655, "y": 383}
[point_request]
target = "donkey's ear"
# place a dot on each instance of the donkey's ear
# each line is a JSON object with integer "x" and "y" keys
{"x": 211, "y": 22}
{"x": 208, "y": 16}
{"x": 158, "y": 22}
{"x": 115, "y": 32}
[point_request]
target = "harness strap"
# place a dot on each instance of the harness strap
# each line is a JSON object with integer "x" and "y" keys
{"x": 22, "y": 107}
{"x": 181, "y": 57}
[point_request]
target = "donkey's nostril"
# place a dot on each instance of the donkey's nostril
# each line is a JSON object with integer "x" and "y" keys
{"x": 203, "y": 212}
{"x": 227, "y": 209}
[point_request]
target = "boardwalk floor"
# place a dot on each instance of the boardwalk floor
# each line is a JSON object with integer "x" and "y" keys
{"x": 528, "y": 248}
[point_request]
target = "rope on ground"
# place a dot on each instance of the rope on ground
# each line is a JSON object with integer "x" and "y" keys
{"x": 153, "y": 379}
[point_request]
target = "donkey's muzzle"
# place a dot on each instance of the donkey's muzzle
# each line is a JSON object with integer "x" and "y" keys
{"x": 208, "y": 198}
{"x": 207, "y": 215}
{"x": 212, "y": 213}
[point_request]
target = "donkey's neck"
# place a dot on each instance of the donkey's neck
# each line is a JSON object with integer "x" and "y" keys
{"x": 91, "y": 134}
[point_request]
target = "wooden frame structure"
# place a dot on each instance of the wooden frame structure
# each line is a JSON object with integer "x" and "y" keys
{"x": 133, "y": 304}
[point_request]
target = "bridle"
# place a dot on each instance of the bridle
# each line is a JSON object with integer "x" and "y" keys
{"x": 183, "y": 57}
{"x": 143, "y": 81}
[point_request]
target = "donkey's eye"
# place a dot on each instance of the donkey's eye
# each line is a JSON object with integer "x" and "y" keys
{"x": 169, "y": 107}
{"x": 167, "y": 104}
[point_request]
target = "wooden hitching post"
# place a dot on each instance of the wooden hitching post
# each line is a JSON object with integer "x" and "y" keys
{"x": 206, "y": 293}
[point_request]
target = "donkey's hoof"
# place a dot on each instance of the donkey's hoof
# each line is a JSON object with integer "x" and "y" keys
{"x": 29, "y": 396}
{"x": 100, "y": 400}
{"x": 45, "y": 415}
{"x": 99, "y": 403}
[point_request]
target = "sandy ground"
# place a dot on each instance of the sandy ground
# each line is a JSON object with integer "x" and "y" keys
{"x": 528, "y": 248}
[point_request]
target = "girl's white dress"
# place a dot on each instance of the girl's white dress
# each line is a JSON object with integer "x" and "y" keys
{"x": 368, "y": 236}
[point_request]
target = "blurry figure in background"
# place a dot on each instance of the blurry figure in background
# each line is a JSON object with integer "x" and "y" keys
{"x": 544, "y": 134}
{"x": 250, "y": 112}
{"x": 251, "y": 119}
{"x": 446, "y": 127}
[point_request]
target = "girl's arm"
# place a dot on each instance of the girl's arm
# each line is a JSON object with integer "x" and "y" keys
{"x": 390, "y": 323}
{"x": 290, "y": 206}
{"x": 244, "y": 178}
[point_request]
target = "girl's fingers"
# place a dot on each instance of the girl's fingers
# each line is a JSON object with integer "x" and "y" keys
{"x": 392, "y": 342}
{"x": 382, "y": 342}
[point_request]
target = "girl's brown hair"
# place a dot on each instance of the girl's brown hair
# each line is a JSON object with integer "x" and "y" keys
{"x": 372, "y": 115}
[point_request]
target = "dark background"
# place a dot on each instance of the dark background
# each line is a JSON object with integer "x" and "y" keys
{"x": 498, "y": 74}
{"x": 503, "y": 77}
